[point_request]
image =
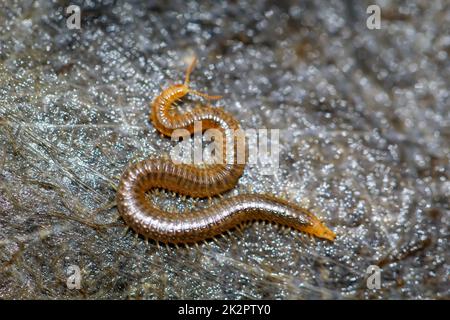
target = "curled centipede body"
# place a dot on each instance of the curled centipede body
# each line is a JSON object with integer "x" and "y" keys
{"x": 191, "y": 180}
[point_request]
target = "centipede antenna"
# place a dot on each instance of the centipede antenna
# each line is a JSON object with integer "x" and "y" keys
{"x": 204, "y": 95}
{"x": 189, "y": 71}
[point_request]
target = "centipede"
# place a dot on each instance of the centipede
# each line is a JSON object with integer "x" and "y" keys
{"x": 186, "y": 179}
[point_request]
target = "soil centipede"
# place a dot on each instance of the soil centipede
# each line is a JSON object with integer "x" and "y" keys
{"x": 191, "y": 180}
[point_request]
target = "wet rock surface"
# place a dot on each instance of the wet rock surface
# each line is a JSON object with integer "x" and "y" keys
{"x": 364, "y": 134}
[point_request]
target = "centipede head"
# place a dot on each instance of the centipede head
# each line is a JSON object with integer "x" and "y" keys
{"x": 318, "y": 229}
{"x": 182, "y": 88}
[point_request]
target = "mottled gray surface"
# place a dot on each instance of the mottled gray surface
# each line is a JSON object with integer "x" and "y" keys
{"x": 364, "y": 116}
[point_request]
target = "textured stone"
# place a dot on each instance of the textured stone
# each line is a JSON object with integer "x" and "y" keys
{"x": 364, "y": 120}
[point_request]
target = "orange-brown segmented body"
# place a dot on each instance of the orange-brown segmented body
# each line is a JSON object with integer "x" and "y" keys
{"x": 191, "y": 180}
